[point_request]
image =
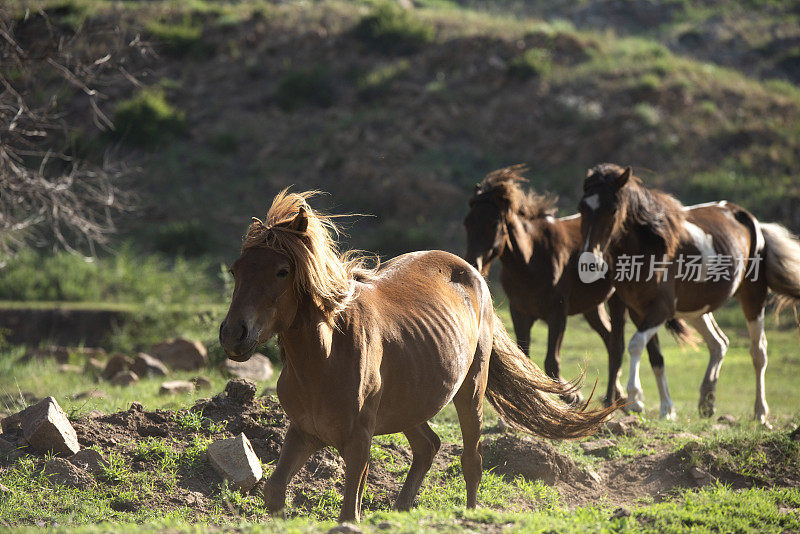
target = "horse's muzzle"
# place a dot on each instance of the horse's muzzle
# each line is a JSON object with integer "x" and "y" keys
{"x": 237, "y": 340}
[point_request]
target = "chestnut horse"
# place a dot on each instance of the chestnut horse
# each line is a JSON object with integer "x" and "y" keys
{"x": 539, "y": 271}
{"x": 377, "y": 351}
{"x": 691, "y": 261}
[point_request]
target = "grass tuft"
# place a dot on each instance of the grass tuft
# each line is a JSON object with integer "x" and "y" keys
{"x": 393, "y": 30}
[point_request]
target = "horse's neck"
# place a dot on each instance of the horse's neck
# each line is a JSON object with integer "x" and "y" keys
{"x": 307, "y": 345}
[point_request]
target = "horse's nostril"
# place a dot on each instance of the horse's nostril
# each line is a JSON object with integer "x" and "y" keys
{"x": 244, "y": 333}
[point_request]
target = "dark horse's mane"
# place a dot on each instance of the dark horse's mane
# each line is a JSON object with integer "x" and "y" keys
{"x": 655, "y": 212}
{"x": 502, "y": 187}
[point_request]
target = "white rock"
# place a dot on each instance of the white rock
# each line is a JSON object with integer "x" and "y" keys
{"x": 180, "y": 354}
{"x": 236, "y": 462}
{"x": 176, "y": 387}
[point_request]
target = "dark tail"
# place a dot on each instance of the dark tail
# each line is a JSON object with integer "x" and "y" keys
{"x": 519, "y": 392}
{"x": 782, "y": 259}
{"x": 681, "y": 332}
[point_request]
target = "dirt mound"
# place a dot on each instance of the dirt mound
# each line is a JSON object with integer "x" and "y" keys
{"x": 533, "y": 459}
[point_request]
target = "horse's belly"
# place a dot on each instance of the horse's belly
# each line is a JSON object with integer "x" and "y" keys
{"x": 417, "y": 388}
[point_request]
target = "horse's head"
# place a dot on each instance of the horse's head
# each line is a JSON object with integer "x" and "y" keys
{"x": 486, "y": 230}
{"x": 600, "y": 203}
{"x": 264, "y": 301}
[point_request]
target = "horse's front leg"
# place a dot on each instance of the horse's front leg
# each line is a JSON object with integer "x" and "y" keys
{"x": 646, "y": 330}
{"x": 297, "y": 447}
{"x": 356, "y": 460}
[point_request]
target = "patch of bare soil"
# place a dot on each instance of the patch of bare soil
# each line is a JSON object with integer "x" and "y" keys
{"x": 620, "y": 481}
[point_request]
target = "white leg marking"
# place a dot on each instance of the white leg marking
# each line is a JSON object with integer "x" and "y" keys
{"x": 635, "y": 349}
{"x": 717, "y": 344}
{"x": 667, "y": 407}
{"x": 758, "y": 352}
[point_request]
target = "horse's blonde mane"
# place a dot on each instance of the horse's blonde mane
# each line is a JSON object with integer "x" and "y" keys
{"x": 320, "y": 270}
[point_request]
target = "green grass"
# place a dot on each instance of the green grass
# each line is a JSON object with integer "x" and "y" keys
{"x": 394, "y": 30}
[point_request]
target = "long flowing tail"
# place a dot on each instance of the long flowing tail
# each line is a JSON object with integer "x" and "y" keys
{"x": 681, "y": 332}
{"x": 519, "y": 392}
{"x": 782, "y": 264}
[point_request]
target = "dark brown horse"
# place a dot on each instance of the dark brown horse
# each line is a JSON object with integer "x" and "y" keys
{"x": 368, "y": 352}
{"x": 539, "y": 270}
{"x": 690, "y": 261}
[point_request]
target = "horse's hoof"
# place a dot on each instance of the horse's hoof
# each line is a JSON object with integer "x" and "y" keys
{"x": 668, "y": 414}
{"x": 636, "y": 406}
{"x": 762, "y": 420}
{"x": 707, "y": 410}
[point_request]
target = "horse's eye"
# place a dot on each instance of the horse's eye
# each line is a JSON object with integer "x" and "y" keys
{"x": 283, "y": 273}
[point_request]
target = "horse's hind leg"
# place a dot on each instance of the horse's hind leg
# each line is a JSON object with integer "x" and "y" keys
{"x": 717, "y": 343}
{"x": 424, "y": 446}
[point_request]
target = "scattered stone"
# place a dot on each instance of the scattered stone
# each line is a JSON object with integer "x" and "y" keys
{"x": 727, "y": 419}
{"x": 89, "y": 394}
{"x": 62, "y": 472}
{"x": 386, "y": 525}
{"x": 241, "y": 391}
{"x": 176, "y": 387}
{"x": 194, "y": 498}
{"x": 45, "y": 427}
{"x": 617, "y": 428}
{"x": 687, "y": 435}
{"x": 181, "y": 354}
{"x": 201, "y": 382}
{"x": 93, "y": 367}
{"x": 631, "y": 421}
{"x": 69, "y": 368}
{"x": 124, "y": 378}
{"x": 236, "y": 462}
{"x": 89, "y": 460}
{"x": 345, "y": 528}
{"x": 594, "y": 475}
{"x": 117, "y": 364}
{"x": 136, "y": 406}
{"x": 146, "y": 365}
{"x": 620, "y": 513}
{"x": 258, "y": 367}
{"x": 600, "y": 447}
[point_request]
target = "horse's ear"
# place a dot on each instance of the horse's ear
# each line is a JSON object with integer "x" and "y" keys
{"x": 623, "y": 178}
{"x": 300, "y": 222}
{"x": 589, "y": 172}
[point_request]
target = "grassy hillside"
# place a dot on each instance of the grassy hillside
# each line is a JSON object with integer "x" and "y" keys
{"x": 397, "y": 114}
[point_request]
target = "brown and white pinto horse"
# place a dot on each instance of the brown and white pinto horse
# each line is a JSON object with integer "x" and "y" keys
{"x": 732, "y": 253}
{"x": 538, "y": 255}
{"x": 368, "y": 352}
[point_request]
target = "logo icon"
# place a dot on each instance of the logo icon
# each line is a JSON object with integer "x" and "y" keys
{"x": 591, "y": 267}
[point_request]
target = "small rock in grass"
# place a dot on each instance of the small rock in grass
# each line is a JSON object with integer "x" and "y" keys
{"x": 89, "y": 394}
{"x": 45, "y": 427}
{"x": 124, "y": 378}
{"x": 136, "y": 406}
{"x": 630, "y": 421}
{"x": 69, "y": 368}
{"x": 59, "y": 354}
{"x": 345, "y": 528}
{"x": 386, "y": 525}
{"x": 236, "y": 462}
{"x": 600, "y": 447}
{"x": 698, "y": 473}
{"x": 621, "y": 512}
{"x": 617, "y": 428}
{"x": 201, "y": 382}
{"x": 726, "y": 419}
{"x": 180, "y": 354}
{"x": 176, "y": 387}
{"x": 116, "y": 364}
{"x": 594, "y": 475}
{"x": 257, "y": 367}
{"x": 62, "y": 472}
{"x": 146, "y": 365}
{"x": 89, "y": 460}
{"x": 241, "y": 391}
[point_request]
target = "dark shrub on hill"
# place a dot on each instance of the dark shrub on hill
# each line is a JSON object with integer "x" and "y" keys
{"x": 312, "y": 86}
{"x": 393, "y": 30}
{"x": 147, "y": 119}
